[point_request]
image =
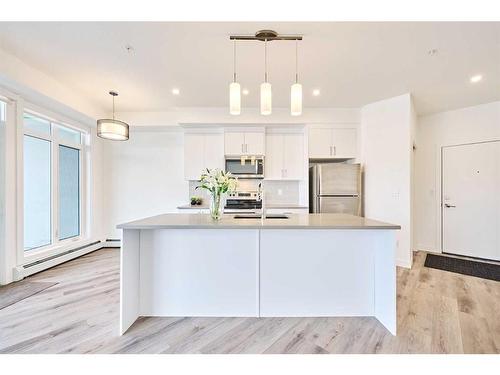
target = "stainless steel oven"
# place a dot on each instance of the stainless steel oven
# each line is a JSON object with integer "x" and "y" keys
{"x": 243, "y": 202}
{"x": 245, "y": 167}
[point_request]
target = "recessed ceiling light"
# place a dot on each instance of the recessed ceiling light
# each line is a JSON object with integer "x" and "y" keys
{"x": 176, "y": 91}
{"x": 476, "y": 78}
{"x": 316, "y": 92}
{"x": 432, "y": 52}
{"x": 245, "y": 92}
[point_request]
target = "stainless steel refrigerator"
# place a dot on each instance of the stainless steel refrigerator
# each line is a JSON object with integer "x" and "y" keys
{"x": 335, "y": 188}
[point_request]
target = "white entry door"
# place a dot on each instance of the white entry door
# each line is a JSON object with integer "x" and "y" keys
{"x": 471, "y": 200}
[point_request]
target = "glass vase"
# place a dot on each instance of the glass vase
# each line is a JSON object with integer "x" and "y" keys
{"x": 216, "y": 206}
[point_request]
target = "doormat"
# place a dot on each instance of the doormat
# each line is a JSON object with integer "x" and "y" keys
{"x": 464, "y": 266}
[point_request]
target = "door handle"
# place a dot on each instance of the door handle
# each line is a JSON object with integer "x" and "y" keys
{"x": 449, "y": 205}
{"x": 331, "y": 151}
{"x": 335, "y": 150}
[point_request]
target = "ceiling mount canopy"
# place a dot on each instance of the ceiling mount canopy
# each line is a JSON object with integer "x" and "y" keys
{"x": 264, "y": 35}
{"x": 266, "y": 88}
{"x": 113, "y": 129}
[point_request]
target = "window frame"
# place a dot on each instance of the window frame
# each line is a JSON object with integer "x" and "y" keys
{"x": 56, "y": 246}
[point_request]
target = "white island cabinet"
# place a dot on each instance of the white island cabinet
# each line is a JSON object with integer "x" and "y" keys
{"x": 308, "y": 265}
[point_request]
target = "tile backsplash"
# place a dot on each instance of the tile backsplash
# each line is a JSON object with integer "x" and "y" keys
{"x": 282, "y": 192}
{"x": 276, "y": 192}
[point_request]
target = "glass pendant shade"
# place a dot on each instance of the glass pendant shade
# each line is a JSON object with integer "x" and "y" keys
{"x": 234, "y": 98}
{"x": 266, "y": 106}
{"x": 296, "y": 99}
{"x": 112, "y": 129}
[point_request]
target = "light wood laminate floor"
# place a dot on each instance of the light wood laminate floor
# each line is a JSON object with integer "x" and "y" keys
{"x": 438, "y": 312}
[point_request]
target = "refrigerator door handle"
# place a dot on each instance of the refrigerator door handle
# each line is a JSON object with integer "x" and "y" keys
{"x": 338, "y": 195}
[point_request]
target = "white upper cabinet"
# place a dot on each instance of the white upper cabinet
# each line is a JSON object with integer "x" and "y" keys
{"x": 293, "y": 156}
{"x": 284, "y": 156}
{"x": 344, "y": 143}
{"x": 273, "y": 163}
{"x": 330, "y": 143}
{"x": 214, "y": 151}
{"x": 202, "y": 151}
{"x": 320, "y": 142}
{"x": 234, "y": 143}
{"x": 244, "y": 143}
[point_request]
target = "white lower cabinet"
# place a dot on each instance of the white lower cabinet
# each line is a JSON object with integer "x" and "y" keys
{"x": 202, "y": 151}
{"x": 284, "y": 156}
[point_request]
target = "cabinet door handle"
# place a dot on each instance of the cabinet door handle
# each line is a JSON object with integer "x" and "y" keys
{"x": 242, "y": 148}
{"x": 335, "y": 150}
{"x": 246, "y": 147}
{"x": 330, "y": 150}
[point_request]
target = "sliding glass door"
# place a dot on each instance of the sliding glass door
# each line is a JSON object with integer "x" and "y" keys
{"x": 69, "y": 192}
{"x": 37, "y": 192}
{"x": 52, "y": 194}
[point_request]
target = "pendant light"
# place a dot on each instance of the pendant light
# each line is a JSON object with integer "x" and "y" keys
{"x": 296, "y": 90}
{"x": 234, "y": 89}
{"x": 112, "y": 129}
{"x": 265, "y": 89}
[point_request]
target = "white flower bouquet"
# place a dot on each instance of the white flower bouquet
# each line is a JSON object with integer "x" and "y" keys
{"x": 218, "y": 183}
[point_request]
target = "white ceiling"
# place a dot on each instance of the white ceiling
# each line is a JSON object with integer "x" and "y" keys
{"x": 351, "y": 63}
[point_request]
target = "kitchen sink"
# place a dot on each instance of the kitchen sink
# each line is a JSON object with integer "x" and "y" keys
{"x": 258, "y": 216}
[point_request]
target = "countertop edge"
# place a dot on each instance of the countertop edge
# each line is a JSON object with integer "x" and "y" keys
{"x": 284, "y": 227}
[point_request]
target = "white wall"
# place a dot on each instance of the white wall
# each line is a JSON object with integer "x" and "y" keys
{"x": 386, "y": 136}
{"x": 466, "y": 125}
{"x": 41, "y": 89}
{"x": 142, "y": 177}
{"x": 219, "y": 116}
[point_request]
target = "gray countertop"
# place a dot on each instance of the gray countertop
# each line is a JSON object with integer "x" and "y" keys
{"x": 270, "y": 206}
{"x": 193, "y": 207}
{"x": 295, "y": 221}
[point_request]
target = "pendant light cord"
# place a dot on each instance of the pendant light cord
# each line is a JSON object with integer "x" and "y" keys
{"x": 234, "y": 60}
{"x": 265, "y": 60}
{"x": 113, "y": 107}
{"x": 296, "y": 61}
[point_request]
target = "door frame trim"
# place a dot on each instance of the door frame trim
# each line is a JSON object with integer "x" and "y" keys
{"x": 440, "y": 205}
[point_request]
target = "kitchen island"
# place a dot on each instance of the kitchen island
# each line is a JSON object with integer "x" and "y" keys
{"x": 307, "y": 265}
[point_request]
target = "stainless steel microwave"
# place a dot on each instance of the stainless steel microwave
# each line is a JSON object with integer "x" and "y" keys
{"x": 249, "y": 167}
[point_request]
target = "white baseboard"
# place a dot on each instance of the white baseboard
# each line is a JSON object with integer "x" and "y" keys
{"x": 428, "y": 248}
{"x": 112, "y": 243}
{"x": 21, "y": 272}
{"x": 406, "y": 263}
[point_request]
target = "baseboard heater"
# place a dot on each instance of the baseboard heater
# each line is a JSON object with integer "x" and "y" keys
{"x": 21, "y": 272}
{"x": 113, "y": 242}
